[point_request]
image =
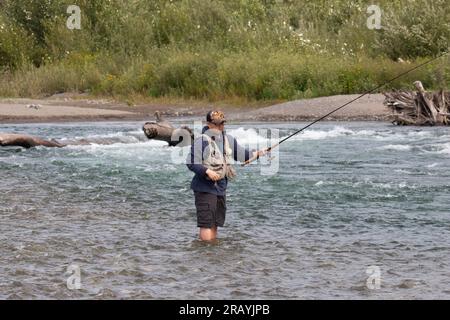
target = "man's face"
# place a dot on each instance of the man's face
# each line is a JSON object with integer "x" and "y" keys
{"x": 219, "y": 127}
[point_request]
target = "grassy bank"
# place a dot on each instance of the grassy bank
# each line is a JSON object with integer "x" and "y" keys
{"x": 218, "y": 50}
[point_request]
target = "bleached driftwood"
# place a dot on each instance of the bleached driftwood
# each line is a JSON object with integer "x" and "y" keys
{"x": 26, "y": 141}
{"x": 419, "y": 108}
{"x": 162, "y": 130}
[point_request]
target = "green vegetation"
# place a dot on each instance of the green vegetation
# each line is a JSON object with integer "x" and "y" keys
{"x": 218, "y": 49}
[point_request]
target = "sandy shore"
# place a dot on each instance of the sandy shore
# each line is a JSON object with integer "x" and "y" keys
{"x": 369, "y": 107}
{"x": 65, "y": 109}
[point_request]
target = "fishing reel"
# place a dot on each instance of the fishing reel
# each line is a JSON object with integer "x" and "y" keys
{"x": 268, "y": 155}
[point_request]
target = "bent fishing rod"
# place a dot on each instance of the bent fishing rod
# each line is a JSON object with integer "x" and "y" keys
{"x": 343, "y": 106}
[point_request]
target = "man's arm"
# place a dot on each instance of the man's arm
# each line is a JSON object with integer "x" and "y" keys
{"x": 195, "y": 160}
{"x": 244, "y": 154}
{"x": 240, "y": 153}
{"x": 195, "y": 157}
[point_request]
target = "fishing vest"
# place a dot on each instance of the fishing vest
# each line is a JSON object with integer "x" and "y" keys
{"x": 218, "y": 162}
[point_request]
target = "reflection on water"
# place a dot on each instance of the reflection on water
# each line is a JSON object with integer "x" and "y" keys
{"x": 347, "y": 196}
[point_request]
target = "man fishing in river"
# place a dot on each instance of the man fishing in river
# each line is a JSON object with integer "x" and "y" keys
{"x": 211, "y": 158}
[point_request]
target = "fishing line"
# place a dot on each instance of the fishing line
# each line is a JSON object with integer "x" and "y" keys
{"x": 346, "y": 104}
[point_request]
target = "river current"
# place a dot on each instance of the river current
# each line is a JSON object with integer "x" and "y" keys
{"x": 350, "y": 210}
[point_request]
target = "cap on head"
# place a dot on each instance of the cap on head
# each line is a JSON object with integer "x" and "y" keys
{"x": 216, "y": 117}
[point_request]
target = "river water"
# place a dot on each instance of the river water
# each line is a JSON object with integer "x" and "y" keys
{"x": 355, "y": 211}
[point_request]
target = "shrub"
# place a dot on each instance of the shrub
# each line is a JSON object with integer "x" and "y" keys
{"x": 255, "y": 49}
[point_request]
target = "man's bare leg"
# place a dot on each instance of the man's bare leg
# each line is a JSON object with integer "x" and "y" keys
{"x": 208, "y": 234}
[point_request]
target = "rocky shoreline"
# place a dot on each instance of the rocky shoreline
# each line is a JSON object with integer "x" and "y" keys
{"x": 368, "y": 108}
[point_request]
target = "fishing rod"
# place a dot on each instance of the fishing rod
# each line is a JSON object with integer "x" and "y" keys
{"x": 344, "y": 105}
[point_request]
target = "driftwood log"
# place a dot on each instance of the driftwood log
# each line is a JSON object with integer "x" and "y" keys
{"x": 26, "y": 141}
{"x": 162, "y": 130}
{"x": 419, "y": 108}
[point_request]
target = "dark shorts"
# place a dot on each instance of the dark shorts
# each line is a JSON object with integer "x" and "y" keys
{"x": 211, "y": 209}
